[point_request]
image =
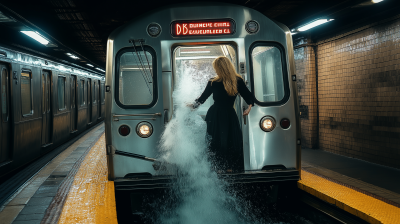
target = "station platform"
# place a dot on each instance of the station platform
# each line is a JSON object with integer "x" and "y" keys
{"x": 73, "y": 187}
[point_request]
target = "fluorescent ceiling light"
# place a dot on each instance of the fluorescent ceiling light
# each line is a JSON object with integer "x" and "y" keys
{"x": 5, "y": 19}
{"x": 376, "y": 1}
{"x": 100, "y": 69}
{"x": 90, "y": 65}
{"x": 72, "y": 56}
{"x": 194, "y": 52}
{"x": 314, "y": 24}
{"x": 35, "y": 35}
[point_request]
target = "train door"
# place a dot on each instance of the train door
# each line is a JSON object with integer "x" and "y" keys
{"x": 89, "y": 100}
{"x": 46, "y": 108}
{"x": 5, "y": 124}
{"x": 196, "y": 62}
{"x": 74, "y": 106}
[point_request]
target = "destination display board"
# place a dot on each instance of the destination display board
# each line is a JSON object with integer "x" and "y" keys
{"x": 202, "y": 28}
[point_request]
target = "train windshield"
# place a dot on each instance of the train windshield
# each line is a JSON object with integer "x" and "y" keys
{"x": 193, "y": 65}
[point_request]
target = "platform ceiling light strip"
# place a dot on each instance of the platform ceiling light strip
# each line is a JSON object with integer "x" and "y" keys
{"x": 5, "y": 19}
{"x": 377, "y": 1}
{"x": 314, "y": 24}
{"x": 90, "y": 65}
{"x": 72, "y": 56}
{"x": 36, "y": 36}
{"x": 100, "y": 69}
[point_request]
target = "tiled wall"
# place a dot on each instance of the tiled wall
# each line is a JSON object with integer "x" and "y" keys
{"x": 358, "y": 93}
{"x": 307, "y": 93}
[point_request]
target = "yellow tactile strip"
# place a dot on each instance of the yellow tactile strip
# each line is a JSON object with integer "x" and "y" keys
{"x": 366, "y": 207}
{"x": 91, "y": 198}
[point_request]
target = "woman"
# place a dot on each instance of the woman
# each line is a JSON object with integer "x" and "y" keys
{"x": 223, "y": 127}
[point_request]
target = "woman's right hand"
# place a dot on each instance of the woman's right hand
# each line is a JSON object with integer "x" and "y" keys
{"x": 247, "y": 111}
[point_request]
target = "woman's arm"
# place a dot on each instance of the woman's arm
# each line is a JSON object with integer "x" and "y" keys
{"x": 246, "y": 94}
{"x": 204, "y": 96}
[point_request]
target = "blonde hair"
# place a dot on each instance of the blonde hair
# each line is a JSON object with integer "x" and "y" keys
{"x": 227, "y": 74}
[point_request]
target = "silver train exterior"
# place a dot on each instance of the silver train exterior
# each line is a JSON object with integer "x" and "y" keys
{"x": 267, "y": 153}
{"x": 43, "y": 104}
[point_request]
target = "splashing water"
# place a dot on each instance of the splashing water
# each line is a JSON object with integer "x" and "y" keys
{"x": 197, "y": 195}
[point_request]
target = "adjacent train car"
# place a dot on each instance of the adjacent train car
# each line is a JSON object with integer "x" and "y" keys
{"x": 43, "y": 104}
{"x": 145, "y": 58}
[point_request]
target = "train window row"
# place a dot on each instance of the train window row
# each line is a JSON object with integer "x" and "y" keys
{"x": 27, "y": 93}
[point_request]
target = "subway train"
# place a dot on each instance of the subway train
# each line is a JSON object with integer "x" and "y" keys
{"x": 146, "y": 58}
{"x": 43, "y": 104}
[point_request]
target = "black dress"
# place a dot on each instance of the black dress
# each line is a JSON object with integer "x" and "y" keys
{"x": 225, "y": 135}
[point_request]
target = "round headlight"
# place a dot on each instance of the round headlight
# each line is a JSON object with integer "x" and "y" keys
{"x": 267, "y": 123}
{"x": 144, "y": 129}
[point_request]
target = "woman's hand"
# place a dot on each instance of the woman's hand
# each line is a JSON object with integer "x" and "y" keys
{"x": 247, "y": 111}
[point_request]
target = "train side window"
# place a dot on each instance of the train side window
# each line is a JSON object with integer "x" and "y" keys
{"x": 82, "y": 93}
{"x": 26, "y": 93}
{"x": 4, "y": 95}
{"x": 136, "y": 82}
{"x": 61, "y": 93}
{"x": 94, "y": 93}
{"x": 102, "y": 92}
{"x": 269, "y": 77}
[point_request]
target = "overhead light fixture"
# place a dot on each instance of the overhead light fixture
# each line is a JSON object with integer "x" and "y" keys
{"x": 376, "y": 1}
{"x": 313, "y": 24}
{"x": 36, "y": 36}
{"x": 90, "y": 65}
{"x": 100, "y": 69}
{"x": 72, "y": 56}
{"x": 6, "y": 19}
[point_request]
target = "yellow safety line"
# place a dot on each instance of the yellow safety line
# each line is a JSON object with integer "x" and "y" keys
{"x": 91, "y": 198}
{"x": 363, "y": 206}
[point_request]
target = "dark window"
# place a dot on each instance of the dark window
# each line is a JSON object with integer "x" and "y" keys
{"x": 26, "y": 93}
{"x": 269, "y": 77}
{"x": 94, "y": 93}
{"x": 4, "y": 95}
{"x": 82, "y": 93}
{"x": 61, "y": 93}
{"x": 136, "y": 82}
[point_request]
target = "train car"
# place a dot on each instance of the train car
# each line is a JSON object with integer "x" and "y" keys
{"x": 145, "y": 58}
{"x": 43, "y": 104}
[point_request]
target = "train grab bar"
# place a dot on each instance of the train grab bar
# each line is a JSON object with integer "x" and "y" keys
{"x": 133, "y": 115}
{"x": 117, "y": 117}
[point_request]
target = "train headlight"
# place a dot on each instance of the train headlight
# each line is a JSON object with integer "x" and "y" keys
{"x": 267, "y": 123}
{"x": 144, "y": 129}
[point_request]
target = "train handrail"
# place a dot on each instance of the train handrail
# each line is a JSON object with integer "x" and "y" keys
{"x": 132, "y": 115}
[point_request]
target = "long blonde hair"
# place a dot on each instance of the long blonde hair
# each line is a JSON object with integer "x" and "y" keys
{"x": 227, "y": 74}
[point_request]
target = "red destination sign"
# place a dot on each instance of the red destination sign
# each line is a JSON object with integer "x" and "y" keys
{"x": 202, "y": 28}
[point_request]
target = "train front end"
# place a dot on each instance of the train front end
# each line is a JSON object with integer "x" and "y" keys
{"x": 145, "y": 60}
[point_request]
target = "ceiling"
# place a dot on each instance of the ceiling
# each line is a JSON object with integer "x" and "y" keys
{"x": 81, "y": 27}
